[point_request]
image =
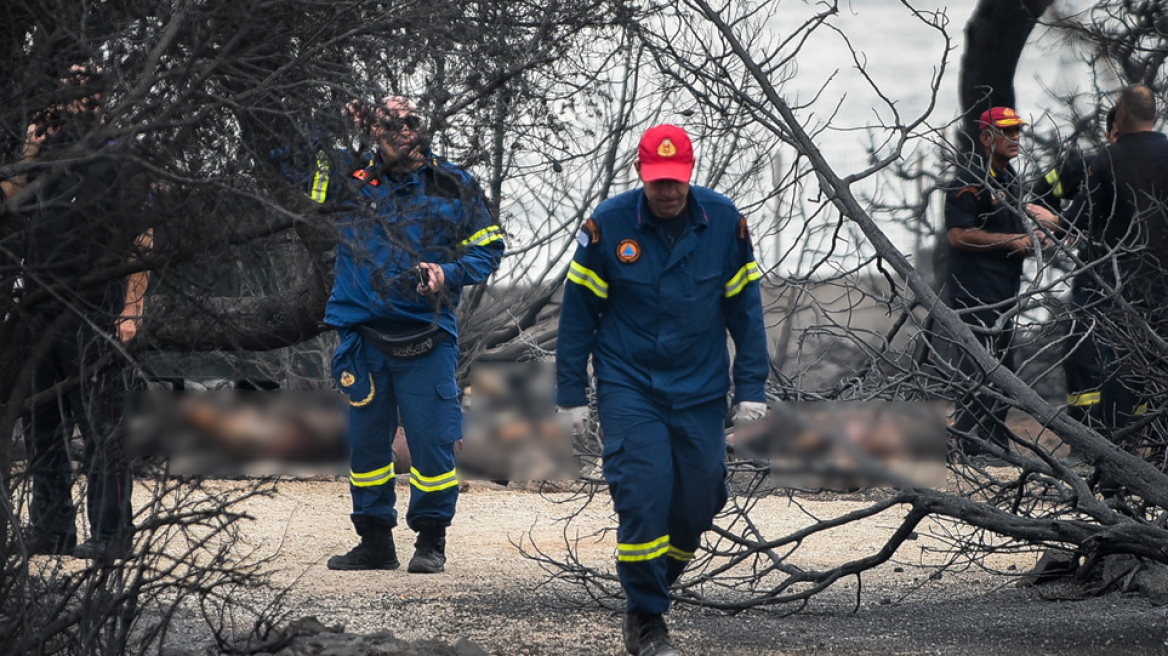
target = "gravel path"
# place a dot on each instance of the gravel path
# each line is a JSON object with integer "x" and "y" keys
{"x": 491, "y": 595}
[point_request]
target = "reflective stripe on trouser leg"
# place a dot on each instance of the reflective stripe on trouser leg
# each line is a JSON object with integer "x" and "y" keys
{"x": 699, "y": 480}
{"x": 639, "y": 471}
{"x": 427, "y": 395}
{"x": 372, "y": 427}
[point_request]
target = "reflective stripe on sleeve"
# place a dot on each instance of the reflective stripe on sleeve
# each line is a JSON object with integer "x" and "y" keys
{"x": 678, "y": 554}
{"x": 375, "y": 477}
{"x": 484, "y": 236}
{"x": 1084, "y": 399}
{"x": 433, "y": 483}
{"x": 632, "y": 553}
{"x": 582, "y": 275}
{"x": 321, "y": 179}
{"x": 749, "y": 272}
{"x": 1056, "y": 185}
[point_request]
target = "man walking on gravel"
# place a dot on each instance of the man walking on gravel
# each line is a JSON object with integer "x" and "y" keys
{"x": 660, "y": 275}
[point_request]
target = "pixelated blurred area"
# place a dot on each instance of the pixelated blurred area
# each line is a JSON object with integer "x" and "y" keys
{"x": 232, "y": 431}
{"x": 511, "y": 432}
{"x": 848, "y": 445}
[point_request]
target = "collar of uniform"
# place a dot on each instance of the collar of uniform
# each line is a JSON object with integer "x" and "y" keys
{"x": 374, "y": 162}
{"x": 698, "y": 219}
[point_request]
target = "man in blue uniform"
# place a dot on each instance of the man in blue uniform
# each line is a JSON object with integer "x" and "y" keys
{"x": 989, "y": 236}
{"x": 660, "y": 275}
{"x": 414, "y": 230}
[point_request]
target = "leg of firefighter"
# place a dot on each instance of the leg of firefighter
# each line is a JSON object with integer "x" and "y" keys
{"x": 432, "y": 418}
{"x": 699, "y": 480}
{"x": 109, "y": 479}
{"x": 981, "y": 411}
{"x": 52, "y": 512}
{"x": 372, "y": 425}
{"x": 638, "y": 466}
{"x": 1084, "y": 378}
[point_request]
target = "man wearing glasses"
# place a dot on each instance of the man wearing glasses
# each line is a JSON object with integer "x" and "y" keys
{"x": 414, "y": 230}
{"x": 991, "y": 230}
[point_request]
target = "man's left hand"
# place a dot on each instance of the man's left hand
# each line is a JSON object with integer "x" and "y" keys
{"x": 750, "y": 411}
{"x": 435, "y": 279}
{"x": 1048, "y": 219}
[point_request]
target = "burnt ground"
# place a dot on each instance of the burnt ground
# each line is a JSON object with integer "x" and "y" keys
{"x": 501, "y": 602}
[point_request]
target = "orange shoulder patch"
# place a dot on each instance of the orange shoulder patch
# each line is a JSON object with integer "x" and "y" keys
{"x": 589, "y": 234}
{"x": 593, "y": 230}
{"x": 743, "y": 229}
{"x": 968, "y": 190}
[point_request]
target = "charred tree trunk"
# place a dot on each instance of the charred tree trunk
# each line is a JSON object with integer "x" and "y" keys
{"x": 994, "y": 38}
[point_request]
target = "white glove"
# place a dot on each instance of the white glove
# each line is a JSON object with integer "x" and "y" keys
{"x": 579, "y": 415}
{"x": 750, "y": 411}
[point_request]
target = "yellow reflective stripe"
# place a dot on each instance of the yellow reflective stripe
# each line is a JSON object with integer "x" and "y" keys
{"x": 749, "y": 272}
{"x": 1056, "y": 185}
{"x": 1084, "y": 399}
{"x": 321, "y": 179}
{"x": 433, "y": 483}
{"x": 484, "y": 236}
{"x": 582, "y": 275}
{"x": 678, "y": 554}
{"x": 631, "y": 553}
{"x": 375, "y": 477}
{"x": 366, "y": 400}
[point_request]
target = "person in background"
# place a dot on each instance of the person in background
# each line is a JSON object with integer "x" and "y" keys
{"x": 991, "y": 230}
{"x": 86, "y": 215}
{"x": 1123, "y": 216}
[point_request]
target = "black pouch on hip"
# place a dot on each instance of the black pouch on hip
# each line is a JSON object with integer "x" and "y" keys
{"x": 405, "y": 343}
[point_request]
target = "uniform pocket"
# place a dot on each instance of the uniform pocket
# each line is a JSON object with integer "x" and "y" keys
{"x": 351, "y": 373}
{"x": 447, "y": 390}
{"x": 449, "y": 412}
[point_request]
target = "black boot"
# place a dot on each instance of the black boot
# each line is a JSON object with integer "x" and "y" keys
{"x": 54, "y": 544}
{"x": 654, "y": 637}
{"x": 115, "y": 547}
{"x": 375, "y": 551}
{"x": 429, "y": 548}
{"x": 631, "y": 632}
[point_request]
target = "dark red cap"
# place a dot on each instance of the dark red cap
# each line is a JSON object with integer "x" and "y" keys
{"x": 666, "y": 153}
{"x": 1000, "y": 117}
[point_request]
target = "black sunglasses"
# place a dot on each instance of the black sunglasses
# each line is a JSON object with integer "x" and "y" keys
{"x": 397, "y": 123}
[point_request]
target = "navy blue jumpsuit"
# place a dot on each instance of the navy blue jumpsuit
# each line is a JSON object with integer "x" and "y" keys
{"x": 389, "y": 224}
{"x": 654, "y": 320}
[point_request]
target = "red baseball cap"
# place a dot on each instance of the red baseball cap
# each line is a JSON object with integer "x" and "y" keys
{"x": 665, "y": 153}
{"x": 1000, "y": 117}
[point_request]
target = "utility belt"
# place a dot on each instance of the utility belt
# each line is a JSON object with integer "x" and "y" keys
{"x": 403, "y": 342}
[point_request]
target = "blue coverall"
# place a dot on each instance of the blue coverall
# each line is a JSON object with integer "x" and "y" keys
{"x": 389, "y": 224}
{"x": 654, "y": 320}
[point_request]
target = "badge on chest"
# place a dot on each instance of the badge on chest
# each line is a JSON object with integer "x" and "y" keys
{"x": 628, "y": 251}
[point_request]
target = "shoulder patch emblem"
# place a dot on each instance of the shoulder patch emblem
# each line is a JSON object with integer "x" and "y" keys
{"x": 968, "y": 190}
{"x": 364, "y": 176}
{"x": 347, "y": 379}
{"x": 589, "y": 234}
{"x": 743, "y": 229}
{"x": 628, "y": 251}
